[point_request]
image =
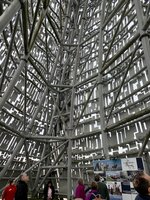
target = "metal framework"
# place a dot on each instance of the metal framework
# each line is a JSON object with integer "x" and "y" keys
{"x": 74, "y": 86}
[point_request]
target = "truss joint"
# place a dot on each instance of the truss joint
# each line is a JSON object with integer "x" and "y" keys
{"x": 144, "y": 34}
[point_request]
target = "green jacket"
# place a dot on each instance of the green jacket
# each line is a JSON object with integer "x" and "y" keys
{"x": 102, "y": 189}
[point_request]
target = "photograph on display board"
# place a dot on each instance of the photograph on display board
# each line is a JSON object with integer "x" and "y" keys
{"x": 140, "y": 164}
{"x": 124, "y": 175}
{"x": 113, "y": 176}
{"x": 133, "y": 196}
{"x": 133, "y": 191}
{"x": 127, "y": 197}
{"x": 107, "y": 165}
{"x": 129, "y": 164}
{"x": 127, "y": 175}
{"x": 125, "y": 185}
{"x": 131, "y": 174}
{"x": 118, "y": 175}
{"x": 115, "y": 190}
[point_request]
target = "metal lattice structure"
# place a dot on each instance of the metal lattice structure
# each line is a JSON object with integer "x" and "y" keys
{"x": 74, "y": 86}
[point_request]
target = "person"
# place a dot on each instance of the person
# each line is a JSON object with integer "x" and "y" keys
{"x": 22, "y": 187}
{"x": 9, "y": 191}
{"x": 79, "y": 191}
{"x": 141, "y": 183}
{"x": 102, "y": 188}
{"x": 49, "y": 191}
{"x": 93, "y": 192}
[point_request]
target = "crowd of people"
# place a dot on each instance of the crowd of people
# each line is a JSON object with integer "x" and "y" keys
{"x": 17, "y": 192}
{"x": 97, "y": 190}
{"x": 20, "y": 190}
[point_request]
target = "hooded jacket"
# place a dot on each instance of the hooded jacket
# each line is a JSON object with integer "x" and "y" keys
{"x": 9, "y": 192}
{"x": 90, "y": 194}
{"x": 79, "y": 192}
{"x": 142, "y": 197}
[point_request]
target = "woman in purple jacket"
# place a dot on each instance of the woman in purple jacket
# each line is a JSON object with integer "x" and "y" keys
{"x": 93, "y": 192}
{"x": 79, "y": 191}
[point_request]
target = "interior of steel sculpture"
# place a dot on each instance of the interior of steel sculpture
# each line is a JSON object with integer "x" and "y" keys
{"x": 74, "y": 87}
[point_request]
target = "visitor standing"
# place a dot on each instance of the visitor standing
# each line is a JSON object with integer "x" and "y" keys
{"x": 79, "y": 191}
{"x": 93, "y": 192}
{"x": 102, "y": 188}
{"x": 49, "y": 191}
{"x": 9, "y": 191}
{"x": 141, "y": 183}
{"x": 22, "y": 187}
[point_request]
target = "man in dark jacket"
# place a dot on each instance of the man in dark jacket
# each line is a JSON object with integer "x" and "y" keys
{"x": 141, "y": 183}
{"x": 102, "y": 188}
{"x": 22, "y": 187}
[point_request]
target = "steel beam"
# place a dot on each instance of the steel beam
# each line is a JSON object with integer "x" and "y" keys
{"x": 100, "y": 86}
{"x": 15, "y": 152}
{"x": 50, "y": 169}
{"x": 123, "y": 80}
{"x": 9, "y": 13}
{"x": 9, "y": 52}
{"x": 13, "y": 81}
{"x": 143, "y": 25}
{"x": 128, "y": 119}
